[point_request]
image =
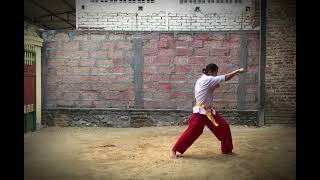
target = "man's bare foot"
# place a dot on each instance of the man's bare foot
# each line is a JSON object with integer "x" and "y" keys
{"x": 173, "y": 154}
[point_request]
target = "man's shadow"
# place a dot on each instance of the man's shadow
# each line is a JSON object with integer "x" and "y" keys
{"x": 209, "y": 156}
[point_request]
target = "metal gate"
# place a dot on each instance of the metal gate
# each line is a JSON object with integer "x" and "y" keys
{"x": 29, "y": 88}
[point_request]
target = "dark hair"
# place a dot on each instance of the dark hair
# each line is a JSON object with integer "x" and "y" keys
{"x": 210, "y": 67}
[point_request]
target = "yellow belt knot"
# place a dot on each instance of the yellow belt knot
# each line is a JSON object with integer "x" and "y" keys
{"x": 209, "y": 114}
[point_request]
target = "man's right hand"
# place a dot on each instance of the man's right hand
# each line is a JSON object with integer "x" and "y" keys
{"x": 241, "y": 70}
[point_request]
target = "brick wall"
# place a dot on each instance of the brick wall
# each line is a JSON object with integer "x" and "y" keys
{"x": 281, "y": 62}
{"x": 166, "y": 15}
{"x": 97, "y": 69}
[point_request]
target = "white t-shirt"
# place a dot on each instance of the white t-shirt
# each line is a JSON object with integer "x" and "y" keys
{"x": 203, "y": 91}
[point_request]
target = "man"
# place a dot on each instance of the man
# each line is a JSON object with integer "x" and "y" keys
{"x": 203, "y": 114}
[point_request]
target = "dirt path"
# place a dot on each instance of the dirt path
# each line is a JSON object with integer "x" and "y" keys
{"x": 266, "y": 153}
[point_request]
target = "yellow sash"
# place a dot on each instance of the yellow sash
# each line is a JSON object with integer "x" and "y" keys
{"x": 209, "y": 114}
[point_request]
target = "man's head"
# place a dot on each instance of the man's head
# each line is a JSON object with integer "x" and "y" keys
{"x": 210, "y": 70}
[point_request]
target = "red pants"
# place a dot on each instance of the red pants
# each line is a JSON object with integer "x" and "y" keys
{"x": 195, "y": 129}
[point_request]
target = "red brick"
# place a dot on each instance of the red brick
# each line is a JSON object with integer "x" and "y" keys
{"x": 89, "y": 62}
{"x": 235, "y": 38}
{"x": 183, "y": 86}
{"x": 128, "y": 70}
{"x": 197, "y": 69}
{"x": 84, "y": 104}
{"x": 182, "y": 44}
{"x": 234, "y": 45}
{"x": 148, "y": 59}
{"x": 215, "y": 44}
{"x": 119, "y": 86}
{"x": 109, "y": 95}
{"x": 59, "y": 54}
{"x": 148, "y": 94}
{"x": 71, "y": 96}
{"x": 65, "y": 103}
{"x": 201, "y": 52}
{"x": 217, "y": 36}
{"x": 167, "y": 104}
{"x": 166, "y": 36}
{"x": 125, "y": 78}
{"x": 165, "y": 87}
{"x": 117, "y": 69}
{"x": 80, "y": 55}
{"x": 116, "y": 54}
{"x": 182, "y": 95}
{"x": 150, "y": 104}
{"x": 160, "y": 77}
{"x": 178, "y": 77}
{"x": 116, "y": 36}
{"x": 153, "y": 43}
{"x": 253, "y": 51}
{"x": 181, "y": 60}
{"x": 172, "y": 44}
{"x": 197, "y": 44}
{"x": 61, "y": 37}
{"x": 100, "y": 104}
{"x": 253, "y": 44}
{"x": 182, "y": 69}
{"x": 184, "y": 51}
{"x": 234, "y": 53}
{"x": 54, "y": 79}
{"x": 85, "y": 45}
{"x": 202, "y": 36}
{"x": 184, "y": 104}
{"x": 149, "y": 86}
{"x": 125, "y": 61}
{"x": 89, "y": 96}
{"x": 97, "y": 37}
{"x": 147, "y": 77}
{"x": 99, "y": 54}
{"x": 72, "y": 45}
{"x": 53, "y": 45}
{"x": 215, "y": 60}
{"x": 167, "y": 52}
{"x": 104, "y": 63}
{"x": 80, "y": 37}
{"x": 73, "y": 79}
{"x": 106, "y": 45}
{"x": 197, "y": 60}
{"x": 81, "y": 70}
{"x": 121, "y": 104}
{"x": 92, "y": 78}
{"x": 150, "y": 51}
{"x": 55, "y": 62}
{"x": 218, "y": 52}
{"x": 166, "y": 69}
{"x": 161, "y": 95}
{"x": 184, "y": 37}
{"x": 149, "y": 69}
{"x": 162, "y": 60}
{"x": 127, "y": 54}
{"x": 85, "y": 87}
{"x": 124, "y": 45}
{"x": 163, "y": 44}
{"x": 128, "y": 36}
{"x": 149, "y": 36}
{"x": 71, "y": 62}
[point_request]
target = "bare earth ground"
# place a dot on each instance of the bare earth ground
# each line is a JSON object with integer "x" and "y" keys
{"x": 55, "y": 153}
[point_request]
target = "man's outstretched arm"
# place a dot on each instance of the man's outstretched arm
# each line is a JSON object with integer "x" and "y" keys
{"x": 233, "y": 73}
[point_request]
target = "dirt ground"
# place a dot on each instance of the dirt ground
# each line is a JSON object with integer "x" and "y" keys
{"x": 55, "y": 153}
